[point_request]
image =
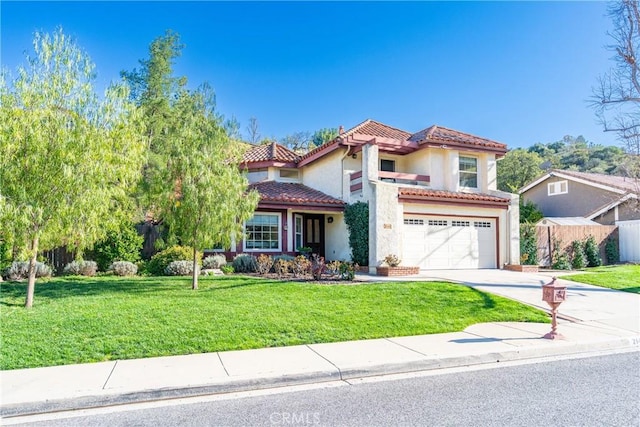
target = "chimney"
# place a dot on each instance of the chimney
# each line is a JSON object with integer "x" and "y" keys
{"x": 340, "y": 130}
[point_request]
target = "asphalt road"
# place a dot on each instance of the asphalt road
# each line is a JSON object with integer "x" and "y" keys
{"x": 595, "y": 391}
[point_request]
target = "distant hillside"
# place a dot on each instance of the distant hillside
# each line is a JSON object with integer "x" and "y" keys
{"x": 522, "y": 165}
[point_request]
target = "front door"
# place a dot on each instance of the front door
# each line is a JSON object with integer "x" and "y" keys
{"x": 314, "y": 233}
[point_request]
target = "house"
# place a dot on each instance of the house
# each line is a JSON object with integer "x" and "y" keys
{"x": 604, "y": 199}
{"x": 432, "y": 198}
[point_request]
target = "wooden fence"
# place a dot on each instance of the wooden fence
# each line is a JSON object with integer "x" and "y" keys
{"x": 564, "y": 235}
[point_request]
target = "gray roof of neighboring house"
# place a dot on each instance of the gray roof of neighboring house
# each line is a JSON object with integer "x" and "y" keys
{"x": 574, "y": 220}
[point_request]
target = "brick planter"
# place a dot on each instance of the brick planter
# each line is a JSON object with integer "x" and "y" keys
{"x": 522, "y": 268}
{"x": 397, "y": 271}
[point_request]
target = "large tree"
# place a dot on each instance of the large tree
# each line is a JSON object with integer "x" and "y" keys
{"x": 208, "y": 201}
{"x": 192, "y": 183}
{"x": 69, "y": 157}
{"x": 616, "y": 98}
{"x": 518, "y": 168}
{"x": 155, "y": 90}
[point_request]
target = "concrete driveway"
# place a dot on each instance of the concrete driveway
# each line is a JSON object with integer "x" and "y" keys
{"x": 586, "y": 303}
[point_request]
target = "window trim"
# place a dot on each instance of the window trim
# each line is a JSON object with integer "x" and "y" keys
{"x": 476, "y": 173}
{"x": 557, "y": 185}
{"x": 288, "y": 179}
{"x": 244, "y": 241}
{"x": 298, "y": 231}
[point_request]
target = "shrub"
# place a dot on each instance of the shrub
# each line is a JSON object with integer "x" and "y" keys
{"x": 284, "y": 257}
{"x": 214, "y": 261}
{"x": 160, "y": 261}
{"x": 81, "y": 268}
{"x": 20, "y": 270}
{"x": 559, "y": 258}
{"x": 392, "y": 260}
{"x": 179, "y": 268}
{"x": 123, "y": 268}
{"x": 333, "y": 268}
{"x": 348, "y": 270}
{"x": 317, "y": 266}
{"x": 124, "y": 244}
{"x": 612, "y": 251}
{"x": 528, "y": 244}
{"x": 300, "y": 266}
{"x": 227, "y": 269}
{"x": 578, "y": 259}
{"x": 264, "y": 263}
{"x": 282, "y": 266}
{"x": 245, "y": 263}
{"x": 592, "y": 252}
{"x": 356, "y": 216}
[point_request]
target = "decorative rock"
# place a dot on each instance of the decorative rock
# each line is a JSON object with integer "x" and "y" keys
{"x": 211, "y": 272}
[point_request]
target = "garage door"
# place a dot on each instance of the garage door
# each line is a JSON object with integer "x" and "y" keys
{"x": 448, "y": 243}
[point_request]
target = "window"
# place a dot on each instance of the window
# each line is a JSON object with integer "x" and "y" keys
{"x": 468, "y": 172}
{"x": 411, "y": 221}
{"x": 438, "y": 222}
{"x": 388, "y": 165}
{"x": 460, "y": 223}
{"x": 263, "y": 232}
{"x": 289, "y": 173}
{"x": 298, "y": 232}
{"x": 558, "y": 187}
{"x": 482, "y": 224}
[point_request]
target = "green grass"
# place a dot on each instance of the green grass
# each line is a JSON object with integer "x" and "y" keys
{"x": 77, "y": 320}
{"x": 621, "y": 277}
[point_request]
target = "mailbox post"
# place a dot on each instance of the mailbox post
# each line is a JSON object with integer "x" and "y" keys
{"x": 554, "y": 294}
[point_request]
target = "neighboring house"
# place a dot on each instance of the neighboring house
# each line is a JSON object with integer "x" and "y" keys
{"x": 432, "y": 198}
{"x": 604, "y": 199}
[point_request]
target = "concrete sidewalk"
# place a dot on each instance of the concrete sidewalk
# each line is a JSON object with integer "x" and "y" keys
{"x": 609, "y": 321}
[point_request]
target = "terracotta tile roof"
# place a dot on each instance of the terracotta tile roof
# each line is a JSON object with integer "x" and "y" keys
{"x": 368, "y": 127}
{"x": 440, "y": 194}
{"x": 619, "y": 182}
{"x": 269, "y": 152}
{"x": 444, "y": 135}
{"x": 287, "y": 192}
{"x": 373, "y": 128}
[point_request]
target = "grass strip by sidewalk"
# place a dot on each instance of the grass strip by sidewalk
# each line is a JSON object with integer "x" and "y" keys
{"x": 78, "y": 320}
{"x": 621, "y": 277}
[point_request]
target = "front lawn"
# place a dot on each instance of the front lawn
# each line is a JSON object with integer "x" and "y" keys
{"x": 77, "y": 320}
{"x": 621, "y": 277}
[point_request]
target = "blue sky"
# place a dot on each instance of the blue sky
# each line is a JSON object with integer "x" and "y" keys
{"x": 518, "y": 73}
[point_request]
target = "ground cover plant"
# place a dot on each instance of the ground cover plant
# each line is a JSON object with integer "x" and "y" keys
{"x": 81, "y": 319}
{"x": 621, "y": 277}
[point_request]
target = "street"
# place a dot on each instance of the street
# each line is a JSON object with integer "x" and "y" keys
{"x": 590, "y": 391}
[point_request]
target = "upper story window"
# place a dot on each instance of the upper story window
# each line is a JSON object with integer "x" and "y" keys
{"x": 262, "y": 232}
{"x": 468, "y": 172}
{"x": 387, "y": 165}
{"x": 293, "y": 174}
{"x": 558, "y": 187}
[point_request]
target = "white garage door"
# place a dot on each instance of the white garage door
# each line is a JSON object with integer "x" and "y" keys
{"x": 448, "y": 243}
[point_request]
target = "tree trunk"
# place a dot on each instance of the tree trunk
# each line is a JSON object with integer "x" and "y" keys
{"x": 194, "y": 283}
{"x": 31, "y": 287}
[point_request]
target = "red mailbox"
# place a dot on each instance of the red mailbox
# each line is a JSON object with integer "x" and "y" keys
{"x": 554, "y": 294}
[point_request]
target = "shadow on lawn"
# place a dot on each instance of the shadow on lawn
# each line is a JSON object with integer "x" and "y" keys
{"x": 80, "y": 286}
{"x": 486, "y": 298}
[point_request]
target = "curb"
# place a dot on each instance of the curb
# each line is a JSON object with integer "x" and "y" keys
{"x": 350, "y": 373}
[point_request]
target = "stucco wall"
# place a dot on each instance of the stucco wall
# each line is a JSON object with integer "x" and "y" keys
{"x": 337, "y": 239}
{"x": 386, "y": 214}
{"x": 326, "y": 175}
{"x": 437, "y": 165}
